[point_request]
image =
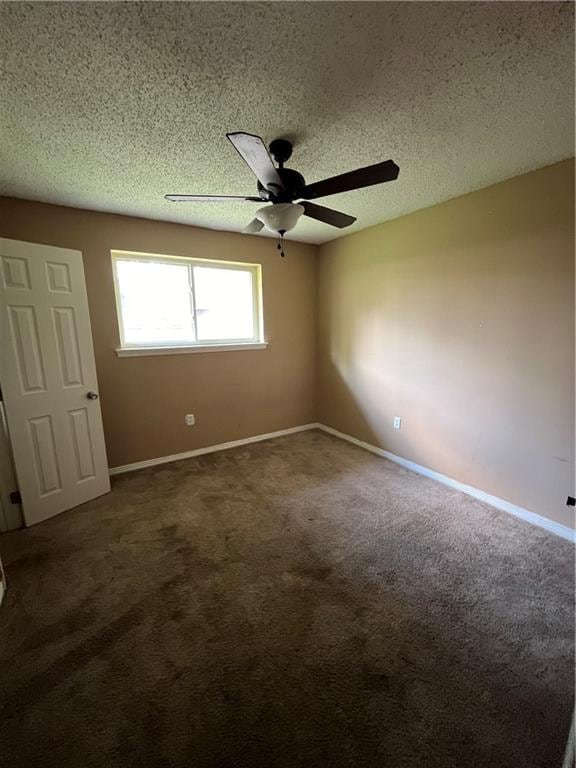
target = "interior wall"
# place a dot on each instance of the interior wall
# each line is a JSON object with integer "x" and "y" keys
{"x": 232, "y": 394}
{"x": 460, "y": 320}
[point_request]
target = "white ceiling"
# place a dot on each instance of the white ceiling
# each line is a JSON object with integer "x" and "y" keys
{"x": 110, "y": 105}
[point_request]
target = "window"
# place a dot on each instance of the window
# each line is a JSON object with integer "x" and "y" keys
{"x": 179, "y": 303}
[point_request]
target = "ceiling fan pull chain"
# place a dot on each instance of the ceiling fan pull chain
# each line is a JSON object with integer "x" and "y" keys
{"x": 280, "y": 246}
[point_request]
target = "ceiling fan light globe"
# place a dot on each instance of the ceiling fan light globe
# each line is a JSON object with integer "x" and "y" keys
{"x": 280, "y": 217}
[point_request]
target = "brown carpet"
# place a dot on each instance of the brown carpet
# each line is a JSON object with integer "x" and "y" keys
{"x": 292, "y": 604}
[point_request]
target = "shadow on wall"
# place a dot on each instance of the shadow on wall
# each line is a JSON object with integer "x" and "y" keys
{"x": 367, "y": 408}
{"x": 368, "y": 390}
{"x": 464, "y": 331}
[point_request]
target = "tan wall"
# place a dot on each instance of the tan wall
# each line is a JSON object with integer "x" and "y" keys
{"x": 233, "y": 394}
{"x": 460, "y": 320}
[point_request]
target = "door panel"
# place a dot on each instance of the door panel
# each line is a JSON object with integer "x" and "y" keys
{"x": 58, "y": 277}
{"x": 80, "y": 430}
{"x": 44, "y": 454}
{"x": 68, "y": 346}
{"x": 16, "y": 273}
{"x": 24, "y": 330}
{"x": 47, "y": 369}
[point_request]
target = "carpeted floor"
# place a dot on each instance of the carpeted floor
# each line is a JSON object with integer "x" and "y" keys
{"x": 297, "y": 603}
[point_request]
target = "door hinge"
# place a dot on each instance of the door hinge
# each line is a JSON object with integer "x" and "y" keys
{"x": 15, "y": 497}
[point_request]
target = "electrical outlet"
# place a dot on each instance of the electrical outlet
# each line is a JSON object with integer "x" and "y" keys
{"x": 190, "y": 420}
{"x": 397, "y": 422}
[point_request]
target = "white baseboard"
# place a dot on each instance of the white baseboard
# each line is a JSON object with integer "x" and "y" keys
{"x": 505, "y": 506}
{"x": 209, "y": 449}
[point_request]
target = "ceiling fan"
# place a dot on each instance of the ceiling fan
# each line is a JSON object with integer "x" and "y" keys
{"x": 281, "y": 186}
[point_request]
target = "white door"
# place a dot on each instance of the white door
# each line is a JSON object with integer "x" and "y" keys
{"x": 48, "y": 379}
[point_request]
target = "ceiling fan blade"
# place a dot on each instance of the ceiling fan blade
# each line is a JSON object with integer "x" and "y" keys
{"x": 254, "y": 227}
{"x": 362, "y": 177}
{"x": 254, "y": 153}
{"x": 210, "y": 198}
{"x": 327, "y": 215}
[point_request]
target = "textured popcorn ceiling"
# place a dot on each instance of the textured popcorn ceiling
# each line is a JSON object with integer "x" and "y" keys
{"x": 110, "y": 105}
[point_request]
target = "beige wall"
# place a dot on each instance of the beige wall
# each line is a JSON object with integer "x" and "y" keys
{"x": 232, "y": 394}
{"x": 460, "y": 320}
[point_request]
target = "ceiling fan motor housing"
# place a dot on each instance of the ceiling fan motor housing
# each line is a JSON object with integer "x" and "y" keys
{"x": 293, "y": 182}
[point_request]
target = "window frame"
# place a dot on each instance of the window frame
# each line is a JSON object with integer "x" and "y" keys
{"x": 147, "y": 348}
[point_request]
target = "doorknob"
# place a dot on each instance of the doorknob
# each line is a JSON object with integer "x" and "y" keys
{"x": 92, "y": 396}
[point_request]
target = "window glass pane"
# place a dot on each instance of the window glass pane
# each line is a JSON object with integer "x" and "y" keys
{"x": 156, "y": 302}
{"x": 224, "y": 303}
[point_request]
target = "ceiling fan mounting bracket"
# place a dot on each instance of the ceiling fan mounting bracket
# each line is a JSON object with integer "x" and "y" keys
{"x": 281, "y": 151}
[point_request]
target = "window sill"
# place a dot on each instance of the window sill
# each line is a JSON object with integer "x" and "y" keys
{"x": 196, "y": 348}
